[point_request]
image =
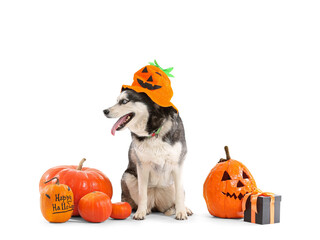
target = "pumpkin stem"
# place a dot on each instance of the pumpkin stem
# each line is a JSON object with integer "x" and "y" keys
{"x": 58, "y": 182}
{"x": 227, "y": 152}
{"x": 226, "y": 149}
{"x": 81, "y": 163}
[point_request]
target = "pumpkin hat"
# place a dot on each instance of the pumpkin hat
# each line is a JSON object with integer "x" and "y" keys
{"x": 154, "y": 81}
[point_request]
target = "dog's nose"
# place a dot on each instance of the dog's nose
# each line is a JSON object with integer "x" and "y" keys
{"x": 106, "y": 112}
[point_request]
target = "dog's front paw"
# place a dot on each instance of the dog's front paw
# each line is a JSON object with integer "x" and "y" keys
{"x": 189, "y": 212}
{"x": 140, "y": 215}
{"x": 148, "y": 211}
{"x": 181, "y": 215}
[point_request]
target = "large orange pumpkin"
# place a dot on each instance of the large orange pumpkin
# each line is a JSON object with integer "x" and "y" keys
{"x": 225, "y": 186}
{"x": 56, "y": 202}
{"x": 81, "y": 180}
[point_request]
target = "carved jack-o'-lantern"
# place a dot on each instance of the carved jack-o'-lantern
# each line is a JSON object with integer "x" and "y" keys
{"x": 225, "y": 187}
{"x": 154, "y": 81}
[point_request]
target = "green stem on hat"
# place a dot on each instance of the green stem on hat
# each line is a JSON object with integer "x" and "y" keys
{"x": 166, "y": 71}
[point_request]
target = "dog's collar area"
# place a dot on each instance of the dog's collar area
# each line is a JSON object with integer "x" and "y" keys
{"x": 155, "y": 133}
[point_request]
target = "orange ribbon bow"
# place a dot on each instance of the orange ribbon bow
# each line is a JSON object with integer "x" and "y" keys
{"x": 254, "y": 197}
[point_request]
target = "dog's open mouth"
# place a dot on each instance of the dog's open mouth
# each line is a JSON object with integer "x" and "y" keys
{"x": 122, "y": 122}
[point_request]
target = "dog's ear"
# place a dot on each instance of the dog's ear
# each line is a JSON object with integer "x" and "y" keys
{"x": 158, "y": 116}
{"x": 170, "y": 111}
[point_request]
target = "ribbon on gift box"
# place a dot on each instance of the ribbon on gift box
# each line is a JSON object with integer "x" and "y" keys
{"x": 254, "y": 197}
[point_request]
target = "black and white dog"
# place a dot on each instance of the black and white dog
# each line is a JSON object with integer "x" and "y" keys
{"x": 153, "y": 179}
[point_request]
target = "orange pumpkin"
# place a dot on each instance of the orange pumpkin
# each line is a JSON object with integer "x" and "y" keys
{"x": 81, "y": 180}
{"x": 95, "y": 207}
{"x": 56, "y": 202}
{"x": 154, "y": 81}
{"x": 225, "y": 186}
{"x": 121, "y": 210}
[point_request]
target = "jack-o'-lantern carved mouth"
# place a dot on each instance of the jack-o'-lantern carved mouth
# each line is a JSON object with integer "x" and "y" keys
{"x": 148, "y": 85}
{"x": 240, "y": 196}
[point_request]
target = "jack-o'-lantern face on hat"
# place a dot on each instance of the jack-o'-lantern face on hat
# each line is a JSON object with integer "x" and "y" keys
{"x": 140, "y": 77}
{"x": 154, "y": 81}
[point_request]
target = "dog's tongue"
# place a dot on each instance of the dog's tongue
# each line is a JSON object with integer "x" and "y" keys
{"x": 117, "y": 124}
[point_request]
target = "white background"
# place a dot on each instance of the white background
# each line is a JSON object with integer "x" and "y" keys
{"x": 246, "y": 76}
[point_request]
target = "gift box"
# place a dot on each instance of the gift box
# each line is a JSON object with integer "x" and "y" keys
{"x": 262, "y": 208}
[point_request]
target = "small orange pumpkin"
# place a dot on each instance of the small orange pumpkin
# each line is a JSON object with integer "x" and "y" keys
{"x": 56, "y": 202}
{"x": 227, "y": 183}
{"x": 95, "y": 207}
{"x": 121, "y": 210}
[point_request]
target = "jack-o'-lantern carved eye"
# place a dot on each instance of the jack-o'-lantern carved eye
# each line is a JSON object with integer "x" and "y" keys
{"x": 244, "y": 175}
{"x": 225, "y": 176}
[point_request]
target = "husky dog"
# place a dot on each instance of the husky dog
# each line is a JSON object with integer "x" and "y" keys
{"x": 153, "y": 179}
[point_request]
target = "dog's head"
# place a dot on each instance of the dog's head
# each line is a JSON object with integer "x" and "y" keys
{"x": 138, "y": 112}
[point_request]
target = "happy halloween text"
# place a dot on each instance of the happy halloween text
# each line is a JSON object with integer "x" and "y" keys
{"x": 62, "y": 204}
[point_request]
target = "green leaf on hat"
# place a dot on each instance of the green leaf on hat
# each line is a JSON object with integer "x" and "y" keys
{"x": 166, "y": 71}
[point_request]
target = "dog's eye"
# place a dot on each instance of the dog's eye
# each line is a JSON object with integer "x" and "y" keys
{"x": 124, "y": 101}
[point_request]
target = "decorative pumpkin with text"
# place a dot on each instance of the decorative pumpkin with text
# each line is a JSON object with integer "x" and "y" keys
{"x": 226, "y": 185}
{"x": 81, "y": 180}
{"x": 121, "y": 210}
{"x": 56, "y": 202}
{"x": 95, "y": 207}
